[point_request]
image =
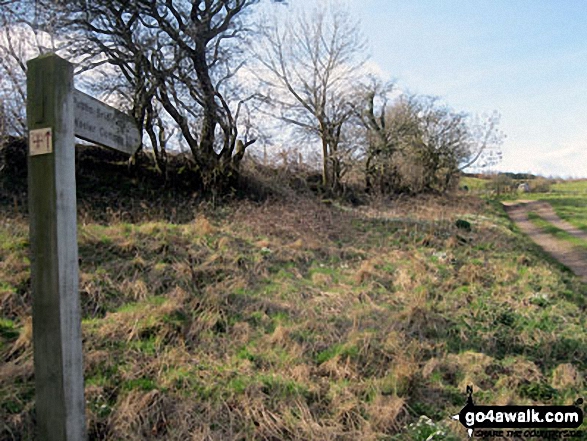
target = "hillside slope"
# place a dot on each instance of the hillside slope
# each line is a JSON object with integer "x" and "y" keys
{"x": 298, "y": 320}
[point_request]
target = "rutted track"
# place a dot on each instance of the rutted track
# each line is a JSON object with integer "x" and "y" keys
{"x": 564, "y": 252}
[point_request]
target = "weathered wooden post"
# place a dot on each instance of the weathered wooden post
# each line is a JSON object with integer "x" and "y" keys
{"x": 60, "y": 403}
{"x": 56, "y": 113}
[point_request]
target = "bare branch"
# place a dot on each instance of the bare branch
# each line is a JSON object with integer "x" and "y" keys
{"x": 310, "y": 62}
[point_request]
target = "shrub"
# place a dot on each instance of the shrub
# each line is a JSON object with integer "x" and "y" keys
{"x": 540, "y": 185}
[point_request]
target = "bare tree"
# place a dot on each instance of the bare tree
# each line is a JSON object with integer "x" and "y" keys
{"x": 417, "y": 143}
{"x": 115, "y": 63}
{"x": 12, "y": 83}
{"x": 28, "y": 28}
{"x": 388, "y": 125}
{"x": 178, "y": 57}
{"x": 20, "y": 40}
{"x": 173, "y": 62}
{"x": 449, "y": 142}
{"x": 487, "y": 139}
{"x": 308, "y": 65}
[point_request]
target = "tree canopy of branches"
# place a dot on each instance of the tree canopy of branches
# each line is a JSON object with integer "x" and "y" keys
{"x": 12, "y": 84}
{"x": 175, "y": 66}
{"x": 174, "y": 62}
{"x": 309, "y": 64}
{"x": 20, "y": 39}
{"x": 385, "y": 131}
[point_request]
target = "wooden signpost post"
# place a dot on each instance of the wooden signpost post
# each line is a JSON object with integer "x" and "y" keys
{"x": 56, "y": 113}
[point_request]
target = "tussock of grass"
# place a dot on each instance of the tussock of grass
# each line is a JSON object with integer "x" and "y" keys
{"x": 303, "y": 321}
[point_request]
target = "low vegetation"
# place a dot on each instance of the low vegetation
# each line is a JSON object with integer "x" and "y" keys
{"x": 559, "y": 233}
{"x": 569, "y": 200}
{"x": 296, "y": 318}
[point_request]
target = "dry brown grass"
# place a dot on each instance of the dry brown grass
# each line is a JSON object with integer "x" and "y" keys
{"x": 387, "y": 413}
{"x": 424, "y": 207}
{"x": 566, "y": 375}
{"x": 141, "y": 415}
{"x": 203, "y": 226}
{"x": 301, "y": 320}
{"x": 307, "y": 220}
{"x": 24, "y": 342}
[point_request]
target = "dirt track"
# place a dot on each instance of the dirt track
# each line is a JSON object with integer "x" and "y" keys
{"x": 561, "y": 250}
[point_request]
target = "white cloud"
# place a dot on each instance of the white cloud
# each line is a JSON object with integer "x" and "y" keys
{"x": 373, "y": 68}
{"x": 566, "y": 160}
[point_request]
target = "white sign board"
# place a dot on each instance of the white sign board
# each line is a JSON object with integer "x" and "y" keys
{"x": 40, "y": 141}
{"x": 104, "y": 125}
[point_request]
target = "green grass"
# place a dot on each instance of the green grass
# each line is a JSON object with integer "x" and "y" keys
{"x": 286, "y": 320}
{"x": 475, "y": 185}
{"x": 336, "y": 350}
{"x": 579, "y": 186}
{"x": 551, "y": 229}
{"x": 569, "y": 200}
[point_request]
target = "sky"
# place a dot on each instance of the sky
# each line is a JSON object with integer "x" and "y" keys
{"x": 526, "y": 59}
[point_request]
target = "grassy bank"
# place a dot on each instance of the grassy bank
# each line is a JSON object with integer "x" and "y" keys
{"x": 292, "y": 318}
{"x": 303, "y": 321}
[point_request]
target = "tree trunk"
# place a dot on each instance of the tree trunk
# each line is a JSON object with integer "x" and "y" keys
{"x": 209, "y": 104}
{"x": 325, "y": 158}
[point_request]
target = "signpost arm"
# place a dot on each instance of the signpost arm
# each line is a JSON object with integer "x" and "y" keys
{"x": 60, "y": 403}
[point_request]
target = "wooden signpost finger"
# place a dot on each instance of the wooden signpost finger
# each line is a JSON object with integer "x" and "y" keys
{"x": 98, "y": 122}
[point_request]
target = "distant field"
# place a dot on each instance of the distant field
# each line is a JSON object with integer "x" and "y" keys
{"x": 571, "y": 187}
{"x": 474, "y": 184}
{"x": 569, "y": 200}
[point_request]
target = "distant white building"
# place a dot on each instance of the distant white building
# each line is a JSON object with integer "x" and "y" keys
{"x": 524, "y": 188}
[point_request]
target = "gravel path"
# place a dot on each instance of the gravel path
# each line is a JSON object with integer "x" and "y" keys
{"x": 561, "y": 250}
